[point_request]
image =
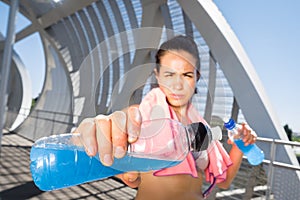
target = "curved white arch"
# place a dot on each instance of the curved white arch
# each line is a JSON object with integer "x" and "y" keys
{"x": 24, "y": 101}
{"x": 27, "y": 93}
{"x": 236, "y": 66}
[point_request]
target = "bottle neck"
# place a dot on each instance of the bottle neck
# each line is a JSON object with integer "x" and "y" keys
{"x": 199, "y": 135}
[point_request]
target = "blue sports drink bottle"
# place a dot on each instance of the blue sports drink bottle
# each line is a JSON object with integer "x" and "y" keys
{"x": 254, "y": 154}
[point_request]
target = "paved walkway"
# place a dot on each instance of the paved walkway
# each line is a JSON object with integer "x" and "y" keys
{"x": 16, "y": 181}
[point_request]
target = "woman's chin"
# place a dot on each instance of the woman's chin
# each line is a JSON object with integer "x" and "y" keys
{"x": 177, "y": 103}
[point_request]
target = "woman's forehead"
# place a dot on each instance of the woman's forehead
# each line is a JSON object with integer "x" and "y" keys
{"x": 180, "y": 54}
{"x": 178, "y": 60}
{"x": 177, "y": 68}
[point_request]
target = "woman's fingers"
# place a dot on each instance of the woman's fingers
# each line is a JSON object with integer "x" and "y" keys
{"x": 249, "y": 135}
{"x": 109, "y": 135}
{"x": 119, "y": 133}
{"x": 87, "y": 136}
{"x": 103, "y": 138}
{"x": 134, "y": 121}
{"x": 132, "y": 179}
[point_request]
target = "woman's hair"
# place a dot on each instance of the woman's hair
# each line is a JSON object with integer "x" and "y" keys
{"x": 179, "y": 42}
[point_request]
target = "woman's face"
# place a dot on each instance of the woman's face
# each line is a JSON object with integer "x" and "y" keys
{"x": 177, "y": 77}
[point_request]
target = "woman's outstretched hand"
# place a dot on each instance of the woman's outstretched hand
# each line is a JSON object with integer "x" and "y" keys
{"x": 109, "y": 135}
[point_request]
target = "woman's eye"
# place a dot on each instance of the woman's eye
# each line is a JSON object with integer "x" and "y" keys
{"x": 189, "y": 75}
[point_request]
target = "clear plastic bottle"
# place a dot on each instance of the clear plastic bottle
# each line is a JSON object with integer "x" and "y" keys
{"x": 60, "y": 161}
{"x": 254, "y": 154}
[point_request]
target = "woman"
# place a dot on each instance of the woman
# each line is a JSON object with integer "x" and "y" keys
{"x": 176, "y": 73}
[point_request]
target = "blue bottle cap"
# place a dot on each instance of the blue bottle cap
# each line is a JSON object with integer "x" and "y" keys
{"x": 230, "y": 124}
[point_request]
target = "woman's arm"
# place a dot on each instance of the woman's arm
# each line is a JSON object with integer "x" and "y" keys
{"x": 236, "y": 155}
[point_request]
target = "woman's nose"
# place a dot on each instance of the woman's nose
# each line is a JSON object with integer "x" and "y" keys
{"x": 178, "y": 83}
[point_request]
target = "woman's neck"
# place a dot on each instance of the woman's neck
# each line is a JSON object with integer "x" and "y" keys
{"x": 181, "y": 113}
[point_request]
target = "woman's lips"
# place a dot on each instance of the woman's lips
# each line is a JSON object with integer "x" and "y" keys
{"x": 177, "y": 96}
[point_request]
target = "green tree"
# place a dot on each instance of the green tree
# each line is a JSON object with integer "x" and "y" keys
{"x": 288, "y": 131}
{"x": 33, "y": 102}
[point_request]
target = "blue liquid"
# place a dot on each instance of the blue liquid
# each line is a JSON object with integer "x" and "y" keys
{"x": 53, "y": 168}
{"x": 254, "y": 154}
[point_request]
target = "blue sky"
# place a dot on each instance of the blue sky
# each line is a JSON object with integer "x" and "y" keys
{"x": 33, "y": 58}
{"x": 269, "y": 31}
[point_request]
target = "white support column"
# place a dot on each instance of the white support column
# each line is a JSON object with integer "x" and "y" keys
{"x": 6, "y": 63}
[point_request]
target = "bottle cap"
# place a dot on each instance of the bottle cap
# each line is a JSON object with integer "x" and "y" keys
{"x": 229, "y": 124}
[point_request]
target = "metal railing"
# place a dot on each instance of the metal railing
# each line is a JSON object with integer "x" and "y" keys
{"x": 272, "y": 163}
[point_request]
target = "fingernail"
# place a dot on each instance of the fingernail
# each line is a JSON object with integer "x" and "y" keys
{"x": 119, "y": 152}
{"x": 131, "y": 179}
{"x": 90, "y": 151}
{"x": 91, "y": 148}
{"x": 132, "y": 138}
{"x": 107, "y": 160}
